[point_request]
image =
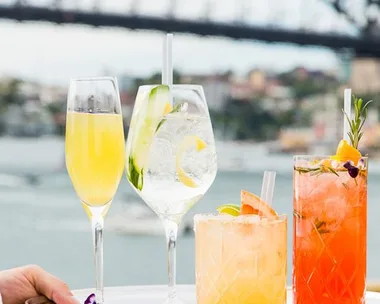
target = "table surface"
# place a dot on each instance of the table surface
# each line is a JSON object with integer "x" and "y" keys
{"x": 156, "y": 294}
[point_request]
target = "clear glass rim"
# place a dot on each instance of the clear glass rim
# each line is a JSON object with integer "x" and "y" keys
{"x": 306, "y": 156}
{"x": 93, "y": 78}
{"x": 239, "y": 219}
{"x": 194, "y": 87}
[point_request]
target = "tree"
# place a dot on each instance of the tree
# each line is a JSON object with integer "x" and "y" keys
{"x": 10, "y": 93}
{"x": 250, "y": 121}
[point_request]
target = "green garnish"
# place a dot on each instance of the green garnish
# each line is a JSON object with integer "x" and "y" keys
{"x": 322, "y": 231}
{"x": 305, "y": 170}
{"x": 176, "y": 109}
{"x": 321, "y": 226}
{"x": 135, "y": 177}
{"x": 230, "y": 209}
{"x": 145, "y": 127}
{"x": 332, "y": 171}
{"x": 356, "y": 124}
{"x": 298, "y": 215}
{"x": 316, "y": 171}
{"x": 318, "y": 224}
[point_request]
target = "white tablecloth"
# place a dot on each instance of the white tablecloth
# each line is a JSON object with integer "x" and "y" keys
{"x": 156, "y": 294}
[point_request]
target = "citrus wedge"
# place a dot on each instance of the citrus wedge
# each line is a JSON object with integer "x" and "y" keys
{"x": 230, "y": 209}
{"x": 252, "y": 204}
{"x": 189, "y": 142}
{"x": 346, "y": 152}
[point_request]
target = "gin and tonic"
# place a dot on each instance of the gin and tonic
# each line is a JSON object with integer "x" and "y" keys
{"x": 171, "y": 158}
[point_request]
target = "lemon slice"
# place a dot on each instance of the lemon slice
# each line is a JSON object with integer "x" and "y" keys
{"x": 187, "y": 143}
{"x": 168, "y": 108}
{"x": 230, "y": 209}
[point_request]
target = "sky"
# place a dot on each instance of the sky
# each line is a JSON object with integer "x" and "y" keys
{"x": 54, "y": 53}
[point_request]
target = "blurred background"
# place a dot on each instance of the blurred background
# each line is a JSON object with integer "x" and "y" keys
{"x": 273, "y": 73}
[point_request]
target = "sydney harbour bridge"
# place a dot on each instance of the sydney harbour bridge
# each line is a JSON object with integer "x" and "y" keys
{"x": 347, "y": 25}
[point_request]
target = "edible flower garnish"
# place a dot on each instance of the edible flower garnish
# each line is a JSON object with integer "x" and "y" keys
{"x": 352, "y": 170}
{"x": 91, "y": 299}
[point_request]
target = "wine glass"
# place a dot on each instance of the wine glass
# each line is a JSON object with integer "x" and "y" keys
{"x": 95, "y": 153}
{"x": 171, "y": 158}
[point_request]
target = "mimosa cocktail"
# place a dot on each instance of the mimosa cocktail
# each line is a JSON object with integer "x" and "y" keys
{"x": 95, "y": 155}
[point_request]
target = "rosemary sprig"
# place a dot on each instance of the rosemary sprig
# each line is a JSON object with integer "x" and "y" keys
{"x": 322, "y": 231}
{"x": 321, "y": 226}
{"x": 332, "y": 171}
{"x": 298, "y": 215}
{"x": 305, "y": 170}
{"x": 356, "y": 124}
{"x": 316, "y": 171}
{"x": 318, "y": 224}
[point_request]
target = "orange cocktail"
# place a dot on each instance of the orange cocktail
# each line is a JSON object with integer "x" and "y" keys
{"x": 330, "y": 230}
{"x": 241, "y": 254}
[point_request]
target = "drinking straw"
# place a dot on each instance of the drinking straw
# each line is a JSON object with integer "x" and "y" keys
{"x": 267, "y": 188}
{"x": 164, "y": 72}
{"x": 347, "y": 110}
{"x": 167, "y": 60}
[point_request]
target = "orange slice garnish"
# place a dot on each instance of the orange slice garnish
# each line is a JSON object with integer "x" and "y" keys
{"x": 346, "y": 152}
{"x": 252, "y": 204}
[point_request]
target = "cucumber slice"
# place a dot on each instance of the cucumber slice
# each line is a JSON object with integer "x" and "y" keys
{"x": 148, "y": 119}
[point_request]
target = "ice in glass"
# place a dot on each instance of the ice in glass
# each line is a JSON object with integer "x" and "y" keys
{"x": 330, "y": 220}
{"x": 241, "y": 258}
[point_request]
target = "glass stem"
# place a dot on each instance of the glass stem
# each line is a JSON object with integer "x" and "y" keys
{"x": 171, "y": 230}
{"x": 97, "y": 228}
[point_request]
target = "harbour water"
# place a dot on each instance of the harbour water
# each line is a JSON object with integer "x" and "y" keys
{"x": 42, "y": 221}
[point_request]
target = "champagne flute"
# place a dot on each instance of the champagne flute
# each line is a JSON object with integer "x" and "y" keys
{"x": 171, "y": 158}
{"x": 95, "y": 153}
